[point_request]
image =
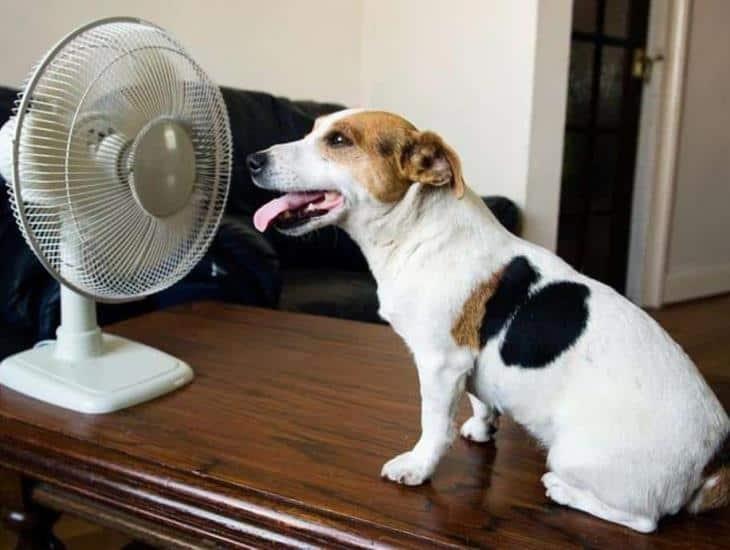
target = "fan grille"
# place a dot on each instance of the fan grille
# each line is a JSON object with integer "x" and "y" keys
{"x": 78, "y": 120}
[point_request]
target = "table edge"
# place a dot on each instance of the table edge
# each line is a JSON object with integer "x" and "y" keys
{"x": 195, "y": 503}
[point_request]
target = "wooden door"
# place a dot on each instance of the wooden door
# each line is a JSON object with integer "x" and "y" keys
{"x": 604, "y": 97}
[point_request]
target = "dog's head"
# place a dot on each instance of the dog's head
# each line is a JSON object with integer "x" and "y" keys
{"x": 350, "y": 159}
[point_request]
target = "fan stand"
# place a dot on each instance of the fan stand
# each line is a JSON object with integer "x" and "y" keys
{"x": 88, "y": 371}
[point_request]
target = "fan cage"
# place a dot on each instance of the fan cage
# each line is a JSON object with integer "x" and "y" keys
{"x": 77, "y": 122}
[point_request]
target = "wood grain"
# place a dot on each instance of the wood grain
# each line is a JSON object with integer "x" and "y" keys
{"x": 281, "y": 437}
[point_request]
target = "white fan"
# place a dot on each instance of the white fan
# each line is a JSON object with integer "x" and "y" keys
{"x": 118, "y": 163}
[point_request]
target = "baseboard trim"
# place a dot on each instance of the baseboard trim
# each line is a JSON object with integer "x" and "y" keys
{"x": 696, "y": 282}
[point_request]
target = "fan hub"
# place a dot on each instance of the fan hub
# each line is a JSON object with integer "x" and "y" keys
{"x": 162, "y": 174}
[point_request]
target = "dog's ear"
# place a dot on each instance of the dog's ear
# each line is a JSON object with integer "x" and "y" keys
{"x": 425, "y": 158}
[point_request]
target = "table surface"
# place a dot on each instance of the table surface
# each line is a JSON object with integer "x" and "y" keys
{"x": 282, "y": 435}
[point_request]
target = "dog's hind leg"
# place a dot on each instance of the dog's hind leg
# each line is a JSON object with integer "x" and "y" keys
{"x": 483, "y": 422}
{"x": 581, "y": 499}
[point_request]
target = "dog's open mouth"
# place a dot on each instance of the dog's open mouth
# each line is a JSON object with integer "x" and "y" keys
{"x": 294, "y": 209}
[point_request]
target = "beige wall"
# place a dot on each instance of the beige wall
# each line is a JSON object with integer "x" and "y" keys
{"x": 489, "y": 75}
{"x": 699, "y": 252}
{"x": 468, "y": 69}
{"x": 298, "y": 48}
{"x": 449, "y": 67}
{"x": 547, "y": 122}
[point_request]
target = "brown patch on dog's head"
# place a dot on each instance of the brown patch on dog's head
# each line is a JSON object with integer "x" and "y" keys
{"x": 386, "y": 154}
{"x": 465, "y": 329}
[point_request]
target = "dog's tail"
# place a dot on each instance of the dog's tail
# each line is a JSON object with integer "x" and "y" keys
{"x": 715, "y": 489}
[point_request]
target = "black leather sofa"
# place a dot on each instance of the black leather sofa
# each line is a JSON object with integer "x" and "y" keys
{"x": 322, "y": 273}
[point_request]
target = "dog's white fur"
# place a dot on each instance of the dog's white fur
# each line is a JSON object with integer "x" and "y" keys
{"x": 628, "y": 421}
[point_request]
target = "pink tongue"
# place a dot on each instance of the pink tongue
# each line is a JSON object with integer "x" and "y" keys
{"x": 291, "y": 201}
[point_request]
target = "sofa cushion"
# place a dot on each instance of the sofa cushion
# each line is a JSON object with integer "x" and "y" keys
{"x": 333, "y": 293}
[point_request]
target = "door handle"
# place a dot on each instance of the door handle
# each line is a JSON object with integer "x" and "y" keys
{"x": 642, "y": 64}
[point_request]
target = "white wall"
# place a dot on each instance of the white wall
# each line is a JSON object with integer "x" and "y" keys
{"x": 489, "y": 75}
{"x": 467, "y": 70}
{"x": 699, "y": 251}
{"x": 463, "y": 69}
{"x": 302, "y": 49}
{"x": 549, "y": 99}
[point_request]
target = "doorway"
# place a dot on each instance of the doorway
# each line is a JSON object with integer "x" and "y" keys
{"x": 606, "y": 76}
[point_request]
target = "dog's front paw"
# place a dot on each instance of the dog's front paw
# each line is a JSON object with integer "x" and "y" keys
{"x": 477, "y": 429}
{"x": 409, "y": 469}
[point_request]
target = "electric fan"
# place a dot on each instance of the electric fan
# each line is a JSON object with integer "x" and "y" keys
{"x": 118, "y": 163}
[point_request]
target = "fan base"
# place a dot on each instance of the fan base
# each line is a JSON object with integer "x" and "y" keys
{"x": 125, "y": 374}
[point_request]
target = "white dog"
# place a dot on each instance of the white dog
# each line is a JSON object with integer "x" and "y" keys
{"x": 633, "y": 432}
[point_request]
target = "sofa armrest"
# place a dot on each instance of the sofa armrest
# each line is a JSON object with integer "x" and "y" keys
{"x": 506, "y": 212}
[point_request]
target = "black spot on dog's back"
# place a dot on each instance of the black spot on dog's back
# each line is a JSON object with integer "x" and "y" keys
{"x": 546, "y": 325}
{"x": 514, "y": 286}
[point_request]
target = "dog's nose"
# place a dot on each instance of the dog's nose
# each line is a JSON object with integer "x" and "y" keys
{"x": 256, "y": 162}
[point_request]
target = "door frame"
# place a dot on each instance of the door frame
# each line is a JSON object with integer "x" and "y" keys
{"x": 656, "y": 161}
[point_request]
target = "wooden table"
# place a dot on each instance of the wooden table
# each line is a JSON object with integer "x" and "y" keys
{"x": 280, "y": 439}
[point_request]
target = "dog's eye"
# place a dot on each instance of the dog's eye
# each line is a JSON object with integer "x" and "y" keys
{"x": 337, "y": 139}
